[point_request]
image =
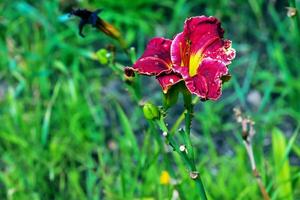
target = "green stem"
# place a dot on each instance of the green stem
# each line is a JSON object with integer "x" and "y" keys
{"x": 188, "y": 160}
{"x": 187, "y": 133}
{"x": 181, "y": 117}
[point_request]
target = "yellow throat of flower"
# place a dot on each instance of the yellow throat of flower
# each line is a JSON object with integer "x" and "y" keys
{"x": 195, "y": 61}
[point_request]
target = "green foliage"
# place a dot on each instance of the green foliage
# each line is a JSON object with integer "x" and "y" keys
{"x": 282, "y": 166}
{"x": 69, "y": 129}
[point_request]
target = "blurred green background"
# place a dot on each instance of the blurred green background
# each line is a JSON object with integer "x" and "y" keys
{"x": 70, "y": 130}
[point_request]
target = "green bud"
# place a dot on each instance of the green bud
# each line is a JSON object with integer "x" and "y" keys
{"x": 171, "y": 97}
{"x": 102, "y": 56}
{"x": 150, "y": 111}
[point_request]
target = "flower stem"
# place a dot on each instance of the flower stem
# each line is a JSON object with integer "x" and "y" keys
{"x": 248, "y": 133}
{"x": 187, "y": 134}
{"x": 256, "y": 174}
{"x": 187, "y": 155}
{"x": 182, "y": 117}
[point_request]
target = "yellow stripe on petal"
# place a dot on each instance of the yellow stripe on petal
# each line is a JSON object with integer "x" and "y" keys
{"x": 195, "y": 61}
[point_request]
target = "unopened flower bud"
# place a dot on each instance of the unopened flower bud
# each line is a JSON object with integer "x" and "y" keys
{"x": 102, "y": 56}
{"x": 150, "y": 111}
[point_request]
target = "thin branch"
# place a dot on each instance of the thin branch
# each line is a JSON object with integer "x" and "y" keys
{"x": 248, "y": 132}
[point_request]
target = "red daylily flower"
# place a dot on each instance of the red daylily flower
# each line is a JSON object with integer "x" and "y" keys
{"x": 156, "y": 61}
{"x": 199, "y": 55}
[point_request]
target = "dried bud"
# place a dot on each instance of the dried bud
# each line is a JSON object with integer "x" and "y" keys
{"x": 150, "y": 111}
{"x": 237, "y": 112}
{"x": 291, "y": 12}
{"x": 247, "y": 123}
{"x": 129, "y": 72}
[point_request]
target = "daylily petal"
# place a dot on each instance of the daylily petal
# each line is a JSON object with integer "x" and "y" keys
{"x": 202, "y": 31}
{"x": 156, "y": 58}
{"x": 151, "y": 66}
{"x": 201, "y": 37}
{"x": 167, "y": 80}
{"x": 197, "y": 85}
{"x": 183, "y": 71}
{"x": 158, "y": 47}
{"x": 208, "y": 81}
{"x": 180, "y": 53}
{"x": 221, "y": 50}
{"x": 206, "y": 35}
